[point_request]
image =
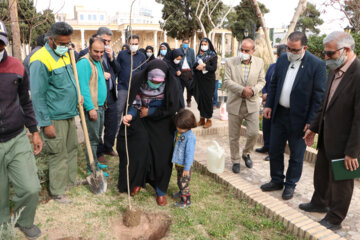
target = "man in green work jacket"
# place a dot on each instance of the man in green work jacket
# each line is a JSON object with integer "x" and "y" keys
{"x": 54, "y": 96}
{"x": 93, "y": 89}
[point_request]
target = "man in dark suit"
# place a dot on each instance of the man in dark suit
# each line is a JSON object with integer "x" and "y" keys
{"x": 296, "y": 91}
{"x": 111, "y": 69}
{"x": 187, "y": 64}
{"x": 338, "y": 125}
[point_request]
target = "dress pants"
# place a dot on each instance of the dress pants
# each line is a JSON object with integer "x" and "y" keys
{"x": 281, "y": 131}
{"x": 252, "y": 132}
{"x": 330, "y": 193}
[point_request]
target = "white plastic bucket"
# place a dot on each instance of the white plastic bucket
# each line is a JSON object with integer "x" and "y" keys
{"x": 215, "y": 158}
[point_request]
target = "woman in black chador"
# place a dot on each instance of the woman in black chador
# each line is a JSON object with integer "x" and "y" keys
{"x": 173, "y": 59}
{"x": 204, "y": 81}
{"x": 153, "y": 102}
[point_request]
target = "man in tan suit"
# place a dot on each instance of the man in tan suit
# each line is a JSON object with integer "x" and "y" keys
{"x": 244, "y": 79}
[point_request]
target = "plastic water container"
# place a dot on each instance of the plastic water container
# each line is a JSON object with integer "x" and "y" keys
{"x": 215, "y": 158}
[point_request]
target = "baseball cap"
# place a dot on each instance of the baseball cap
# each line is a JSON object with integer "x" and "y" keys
{"x": 3, "y": 33}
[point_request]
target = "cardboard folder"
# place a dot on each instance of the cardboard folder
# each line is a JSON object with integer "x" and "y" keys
{"x": 341, "y": 173}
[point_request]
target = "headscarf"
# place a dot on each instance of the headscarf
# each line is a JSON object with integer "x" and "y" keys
{"x": 167, "y": 47}
{"x": 171, "y": 93}
{"x": 210, "y": 53}
{"x": 152, "y": 56}
{"x": 169, "y": 58}
{"x": 125, "y": 46}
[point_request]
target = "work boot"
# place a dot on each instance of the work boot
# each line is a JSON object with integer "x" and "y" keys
{"x": 201, "y": 122}
{"x": 184, "y": 202}
{"x": 208, "y": 123}
{"x": 32, "y": 232}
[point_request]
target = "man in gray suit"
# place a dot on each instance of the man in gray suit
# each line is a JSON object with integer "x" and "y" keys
{"x": 244, "y": 79}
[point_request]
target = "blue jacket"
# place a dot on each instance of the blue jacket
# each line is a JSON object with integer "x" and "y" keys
{"x": 184, "y": 150}
{"x": 268, "y": 78}
{"x": 307, "y": 91}
{"x": 124, "y": 59}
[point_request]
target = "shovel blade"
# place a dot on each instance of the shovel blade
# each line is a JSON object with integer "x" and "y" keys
{"x": 97, "y": 182}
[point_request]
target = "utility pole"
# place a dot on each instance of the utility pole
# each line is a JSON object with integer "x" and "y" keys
{"x": 15, "y": 30}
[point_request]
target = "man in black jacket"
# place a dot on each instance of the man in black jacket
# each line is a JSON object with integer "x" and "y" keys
{"x": 17, "y": 162}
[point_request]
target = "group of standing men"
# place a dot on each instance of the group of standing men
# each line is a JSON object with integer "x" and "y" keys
{"x": 300, "y": 101}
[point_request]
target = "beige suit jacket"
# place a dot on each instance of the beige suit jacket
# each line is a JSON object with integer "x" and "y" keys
{"x": 234, "y": 82}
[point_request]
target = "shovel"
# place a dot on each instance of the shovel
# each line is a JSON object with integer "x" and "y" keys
{"x": 96, "y": 180}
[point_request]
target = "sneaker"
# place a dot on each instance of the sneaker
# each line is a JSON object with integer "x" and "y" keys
{"x": 102, "y": 166}
{"x": 30, "y": 232}
{"x": 184, "y": 202}
{"x": 63, "y": 199}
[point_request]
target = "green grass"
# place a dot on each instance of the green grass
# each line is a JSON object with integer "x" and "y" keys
{"x": 215, "y": 212}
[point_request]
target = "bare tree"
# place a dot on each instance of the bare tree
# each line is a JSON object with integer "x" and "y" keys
{"x": 266, "y": 33}
{"x": 298, "y": 12}
{"x": 350, "y": 8}
{"x": 199, "y": 13}
{"x": 15, "y": 30}
{"x": 212, "y": 21}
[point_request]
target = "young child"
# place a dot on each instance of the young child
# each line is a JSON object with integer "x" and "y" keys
{"x": 183, "y": 155}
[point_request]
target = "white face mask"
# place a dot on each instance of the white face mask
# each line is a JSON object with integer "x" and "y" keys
{"x": 204, "y": 48}
{"x": 244, "y": 56}
{"x": 2, "y": 54}
{"x": 292, "y": 57}
{"x": 176, "y": 61}
{"x": 134, "y": 48}
{"x": 149, "y": 54}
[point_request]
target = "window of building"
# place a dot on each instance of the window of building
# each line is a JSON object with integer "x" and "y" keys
{"x": 89, "y": 17}
{"x": 81, "y": 17}
{"x": 102, "y": 17}
{"x": 94, "y": 17}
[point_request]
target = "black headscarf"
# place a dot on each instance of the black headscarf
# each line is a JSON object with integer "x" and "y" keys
{"x": 125, "y": 46}
{"x": 169, "y": 58}
{"x": 152, "y": 56}
{"x": 210, "y": 53}
{"x": 171, "y": 99}
{"x": 167, "y": 47}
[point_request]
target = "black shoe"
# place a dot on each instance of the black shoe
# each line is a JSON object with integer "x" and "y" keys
{"x": 30, "y": 232}
{"x": 248, "y": 162}
{"x": 288, "y": 193}
{"x": 268, "y": 187}
{"x": 309, "y": 207}
{"x": 330, "y": 226}
{"x": 262, "y": 150}
{"x": 236, "y": 168}
{"x": 267, "y": 158}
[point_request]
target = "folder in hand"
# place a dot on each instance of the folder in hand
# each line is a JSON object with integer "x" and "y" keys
{"x": 341, "y": 173}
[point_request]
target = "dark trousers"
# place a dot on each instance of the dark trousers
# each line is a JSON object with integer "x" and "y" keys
{"x": 330, "y": 193}
{"x": 280, "y": 133}
{"x": 110, "y": 128}
{"x": 266, "y": 132}
{"x": 186, "y": 82}
{"x": 215, "y": 100}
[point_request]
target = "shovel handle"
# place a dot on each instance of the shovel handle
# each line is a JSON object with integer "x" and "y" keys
{"x": 82, "y": 114}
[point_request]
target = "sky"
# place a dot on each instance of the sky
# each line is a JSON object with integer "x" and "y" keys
{"x": 280, "y": 15}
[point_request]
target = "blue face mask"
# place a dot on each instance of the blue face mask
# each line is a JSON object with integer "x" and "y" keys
{"x": 154, "y": 85}
{"x": 61, "y": 50}
{"x": 163, "y": 52}
{"x": 185, "y": 45}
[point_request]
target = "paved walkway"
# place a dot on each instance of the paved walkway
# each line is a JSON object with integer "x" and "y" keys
{"x": 260, "y": 173}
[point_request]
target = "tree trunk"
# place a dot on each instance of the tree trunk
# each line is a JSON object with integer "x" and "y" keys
{"x": 298, "y": 12}
{"x": 15, "y": 30}
{"x": 266, "y": 32}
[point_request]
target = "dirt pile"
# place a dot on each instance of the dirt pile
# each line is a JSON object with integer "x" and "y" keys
{"x": 153, "y": 226}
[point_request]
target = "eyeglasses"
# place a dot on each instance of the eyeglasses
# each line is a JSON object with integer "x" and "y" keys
{"x": 330, "y": 53}
{"x": 293, "y": 50}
